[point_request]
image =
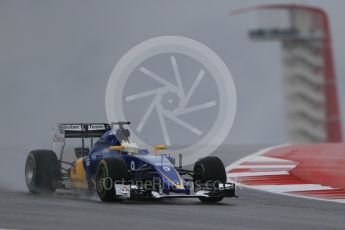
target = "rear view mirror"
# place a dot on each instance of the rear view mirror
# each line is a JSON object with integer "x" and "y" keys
{"x": 159, "y": 147}
{"x": 117, "y": 147}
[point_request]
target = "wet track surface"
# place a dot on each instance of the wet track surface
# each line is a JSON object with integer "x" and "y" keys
{"x": 252, "y": 210}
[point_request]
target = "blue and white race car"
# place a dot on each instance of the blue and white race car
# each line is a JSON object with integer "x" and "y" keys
{"x": 116, "y": 168}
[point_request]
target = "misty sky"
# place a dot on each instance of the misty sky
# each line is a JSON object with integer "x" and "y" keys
{"x": 56, "y": 58}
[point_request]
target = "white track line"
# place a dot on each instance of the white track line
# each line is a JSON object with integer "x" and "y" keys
{"x": 266, "y": 166}
{"x": 269, "y": 159}
{"x": 257, "y": 174}
{"x": 292, "y": 187}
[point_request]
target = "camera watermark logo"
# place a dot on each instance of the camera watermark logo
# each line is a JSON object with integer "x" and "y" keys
{"x": 176, "y": 91}
{"x": 156, "y": 184}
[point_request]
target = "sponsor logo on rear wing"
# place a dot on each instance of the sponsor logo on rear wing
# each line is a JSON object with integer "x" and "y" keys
{"x": 71, "y": 127}
{"x": 95, "y": 127}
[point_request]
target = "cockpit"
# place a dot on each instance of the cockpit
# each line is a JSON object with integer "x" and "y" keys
{"x": 118, "y": 137}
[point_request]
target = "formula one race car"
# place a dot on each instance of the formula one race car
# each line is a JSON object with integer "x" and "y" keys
{"x": 116, "y": 169}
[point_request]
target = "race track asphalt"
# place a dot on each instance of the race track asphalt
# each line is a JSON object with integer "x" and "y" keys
{"x": 252, "y": 210}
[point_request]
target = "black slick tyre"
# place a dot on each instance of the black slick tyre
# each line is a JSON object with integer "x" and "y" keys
{"x": 41, "y": 171}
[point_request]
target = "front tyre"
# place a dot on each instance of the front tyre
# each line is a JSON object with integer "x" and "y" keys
{"x": 208, "y": 172}
{"x": 109, "y": 171}
{"x": 41, "y": 171}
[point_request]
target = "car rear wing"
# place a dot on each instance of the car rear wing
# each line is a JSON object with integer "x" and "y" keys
{"x": 77, "y": 130}
{"x": 83, "y": 130}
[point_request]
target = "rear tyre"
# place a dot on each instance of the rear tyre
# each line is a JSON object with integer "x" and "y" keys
{"x": 41, "y": 171}
{"x": 109, "y": 171}
{"x": 209, "y": 172}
